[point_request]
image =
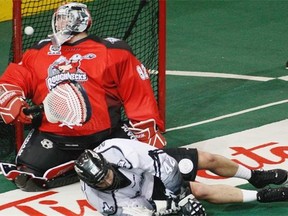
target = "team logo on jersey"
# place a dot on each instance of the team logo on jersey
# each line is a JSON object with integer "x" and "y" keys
{"x": 67, "y": 69}
{"x": 46, "y": 143}
{"x": 112, "y": 40}
{"x": 108, "y": 209}
{"x": 54, "y": 50}
{"x": 123, "y": 163}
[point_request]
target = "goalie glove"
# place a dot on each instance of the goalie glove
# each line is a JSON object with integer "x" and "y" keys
{"x": 146, "y": 131}
{"x": 12, "y": 104}
{"x": 190, "y": 206}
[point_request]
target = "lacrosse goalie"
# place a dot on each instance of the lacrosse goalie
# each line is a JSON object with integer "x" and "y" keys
{"x": 124, "y": 177}
{"x": 112, "y": 78}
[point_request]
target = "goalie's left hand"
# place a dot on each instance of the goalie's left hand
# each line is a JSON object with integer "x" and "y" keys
{"x": 146, "y": 131}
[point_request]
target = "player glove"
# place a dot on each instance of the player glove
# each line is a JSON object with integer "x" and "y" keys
{"x": 146, "y": 131}
{"x": 190, "y": 206}
{"x": 172, "y": 200}
{"x": 12, "y": 104}
{"x": 184, "y": 202}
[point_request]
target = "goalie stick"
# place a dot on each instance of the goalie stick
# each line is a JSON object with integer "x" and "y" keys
{"x": 67, "y": 103}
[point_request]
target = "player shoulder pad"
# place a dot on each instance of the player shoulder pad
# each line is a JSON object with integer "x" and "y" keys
{"x": 113, "y": 43}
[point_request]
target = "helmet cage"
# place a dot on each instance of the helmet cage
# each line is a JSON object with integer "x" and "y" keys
{"x": 68, "y": 20}
{"x": 91, "y": 167}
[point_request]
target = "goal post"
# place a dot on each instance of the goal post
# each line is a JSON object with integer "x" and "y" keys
{"x": 161, "y": 85}
{"x": 142, "y": 23}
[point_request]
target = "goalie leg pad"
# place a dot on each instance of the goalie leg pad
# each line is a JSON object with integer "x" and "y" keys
{"x": 24, "y": 180}
{"x": 27, "y": 181}
{"x": 67, "y": 178}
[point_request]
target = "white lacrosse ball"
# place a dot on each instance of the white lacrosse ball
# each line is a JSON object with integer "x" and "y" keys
{"x": 29, "y": 30}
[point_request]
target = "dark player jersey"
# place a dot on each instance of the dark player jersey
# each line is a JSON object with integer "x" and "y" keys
{"x": 107, "y": 69}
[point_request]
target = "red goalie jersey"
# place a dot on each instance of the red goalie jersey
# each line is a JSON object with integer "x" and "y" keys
{"x": 107, "y": 69}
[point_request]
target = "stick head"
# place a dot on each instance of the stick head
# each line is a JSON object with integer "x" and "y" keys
{"x": 68, "y": 104}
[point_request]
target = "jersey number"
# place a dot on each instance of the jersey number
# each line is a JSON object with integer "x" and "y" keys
{"x": 168, "y": 165}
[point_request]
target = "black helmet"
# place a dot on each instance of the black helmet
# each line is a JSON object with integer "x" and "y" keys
{"x": 91, "y": 167}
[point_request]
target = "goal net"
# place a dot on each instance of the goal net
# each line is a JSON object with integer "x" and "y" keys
{"x": 141, "y": 23}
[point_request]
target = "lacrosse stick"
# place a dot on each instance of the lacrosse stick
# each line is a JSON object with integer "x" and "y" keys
{"x": 67, "y": 103}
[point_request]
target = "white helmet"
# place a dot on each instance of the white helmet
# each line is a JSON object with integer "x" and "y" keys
{"x": 69, "y": 20}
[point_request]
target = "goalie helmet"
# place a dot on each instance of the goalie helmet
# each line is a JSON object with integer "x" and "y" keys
{"x": 91, "y": 167}
{"x": 69, "y": 20}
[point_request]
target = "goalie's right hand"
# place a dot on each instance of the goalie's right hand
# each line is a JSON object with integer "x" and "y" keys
{"x": 147, "y": 132}
{"x": 12, "y": 104}
{"x": 190, "y": 206}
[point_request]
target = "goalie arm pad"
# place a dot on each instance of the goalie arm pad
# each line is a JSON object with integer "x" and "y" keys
{"x": 146, "y": 131}
{"x": 12, "y": 104}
